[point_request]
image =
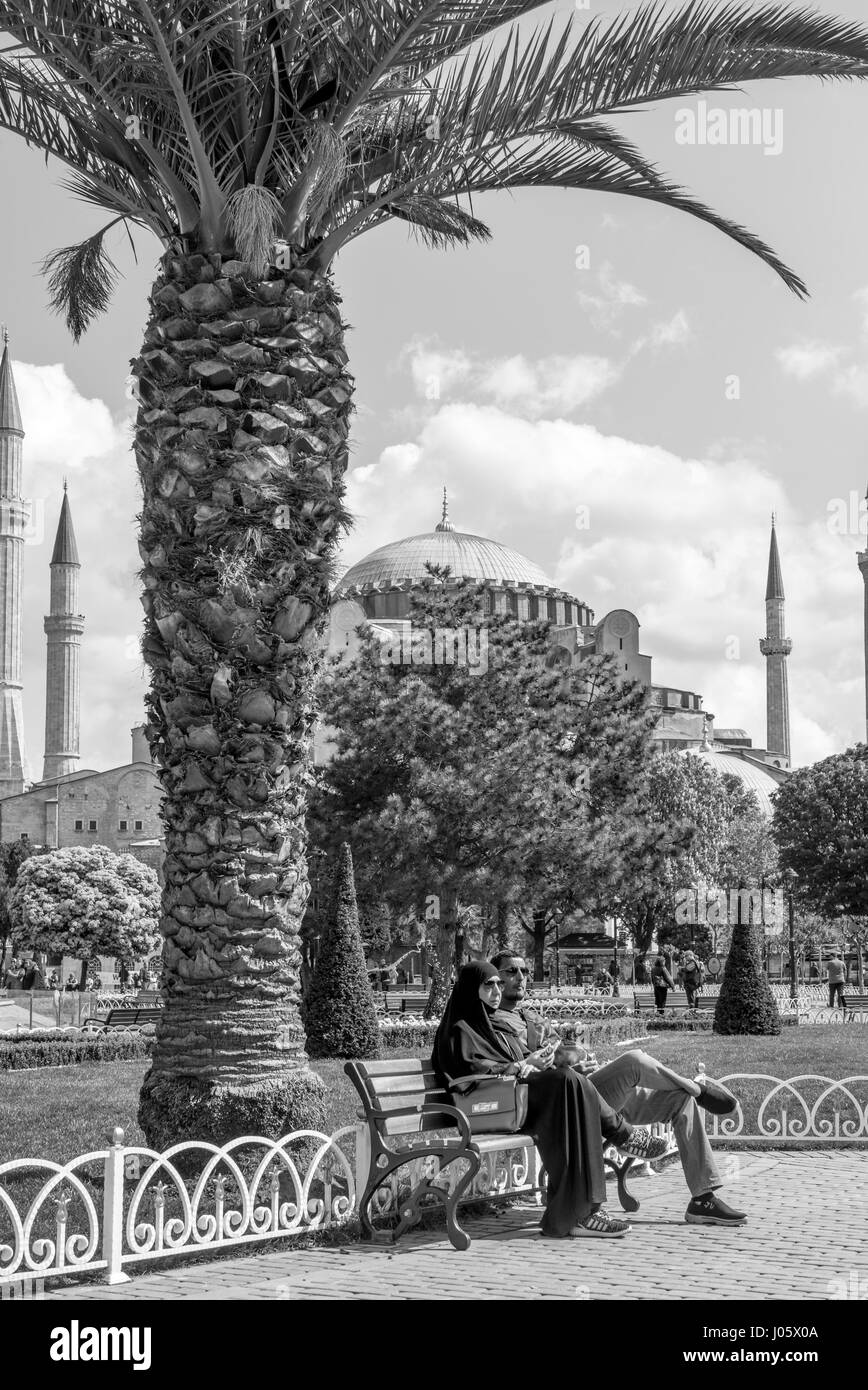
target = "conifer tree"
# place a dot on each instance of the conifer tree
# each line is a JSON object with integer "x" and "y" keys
{"x": 510, "y": 781}
{"x": 340, "y": 1014}
{"x": 746, "y": 1003}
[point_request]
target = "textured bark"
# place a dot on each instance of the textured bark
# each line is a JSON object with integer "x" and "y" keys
{"x": 443, "y": 959}
{"x": 241, "y": 448}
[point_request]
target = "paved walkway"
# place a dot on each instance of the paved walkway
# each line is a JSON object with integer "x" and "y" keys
{"x": 796, "y": 1241}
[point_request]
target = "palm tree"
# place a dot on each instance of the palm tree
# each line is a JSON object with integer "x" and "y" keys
{"x": 255, "y": 139}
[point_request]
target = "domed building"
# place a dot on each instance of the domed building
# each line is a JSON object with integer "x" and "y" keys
{"x": 378, "y": 590}
{"x": 382, "y": 583}
{"x": 755, "y": 776}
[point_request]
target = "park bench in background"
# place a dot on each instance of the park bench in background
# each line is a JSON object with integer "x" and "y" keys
{"x": 402, "y": 1099}
{"x": 676, "y": 1004}
{"x": 855, "y": 1006}
{"x": 122, "y": 1018}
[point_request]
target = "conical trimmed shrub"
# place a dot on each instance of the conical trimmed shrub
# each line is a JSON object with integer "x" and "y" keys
{"x": 340, "y": 1013}
{"x": 746, "y": 1003}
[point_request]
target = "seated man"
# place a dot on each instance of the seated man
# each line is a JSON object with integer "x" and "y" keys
{"x": 642, "y": 1089}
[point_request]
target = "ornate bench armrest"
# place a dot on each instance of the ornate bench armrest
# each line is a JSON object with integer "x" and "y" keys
{"x": 378, "y": 1117}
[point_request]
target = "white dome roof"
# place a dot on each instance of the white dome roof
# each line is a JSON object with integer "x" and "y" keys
{"x": 755, "y": 779}
{"x": 468, "y": 557}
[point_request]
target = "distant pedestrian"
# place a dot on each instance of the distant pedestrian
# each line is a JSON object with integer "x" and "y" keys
{"x": 691, "y": 978}
{"x": 662, "y": 982}
{"x": 837, "y": 976}
{"x": 32, "y": 977}
{"x": 384, "y": 976}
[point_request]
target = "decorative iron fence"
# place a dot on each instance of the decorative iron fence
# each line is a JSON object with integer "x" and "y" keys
{"x": 811, "y": 1108}
{"x": 106, "y": 1211}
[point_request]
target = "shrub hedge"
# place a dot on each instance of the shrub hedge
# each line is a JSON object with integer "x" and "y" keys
{"x": 339, "y": 1014}
{"x": 59, "y": 1049}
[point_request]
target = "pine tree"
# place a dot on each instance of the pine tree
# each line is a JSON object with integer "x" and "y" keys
{"x": 746, "y": 1003}
{"x": 340, "y": 1014}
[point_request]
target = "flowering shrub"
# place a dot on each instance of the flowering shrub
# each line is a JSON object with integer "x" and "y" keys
{"x": 409, "y": 1032}
{"x": 413, "y": 1033}
{"x": 85, "y": 900}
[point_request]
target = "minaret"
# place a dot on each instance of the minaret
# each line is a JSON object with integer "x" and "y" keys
{"x": 64, "y": 627}
{"x": 13, "y": 519}
{"x": 862, "y": 558}
{"x": 776, "y": 647}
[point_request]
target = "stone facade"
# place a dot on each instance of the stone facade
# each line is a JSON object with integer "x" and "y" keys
{"x": 119, "y": 808}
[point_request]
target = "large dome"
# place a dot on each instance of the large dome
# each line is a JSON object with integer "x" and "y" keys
{"x": 468, "y": 557}
{"x": 754, "y": 779}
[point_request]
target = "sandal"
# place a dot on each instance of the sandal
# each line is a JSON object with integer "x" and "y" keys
{"x": 600, "y": 1223}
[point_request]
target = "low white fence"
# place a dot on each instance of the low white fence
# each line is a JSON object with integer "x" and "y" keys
{"x": 817, "y": 1109}
{"x": 107, "y": 1211}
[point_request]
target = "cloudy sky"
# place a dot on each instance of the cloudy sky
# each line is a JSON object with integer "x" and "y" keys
{"x": 614, "y": 389}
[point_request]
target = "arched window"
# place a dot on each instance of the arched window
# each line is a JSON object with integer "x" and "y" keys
{"x": 512, "y": 602}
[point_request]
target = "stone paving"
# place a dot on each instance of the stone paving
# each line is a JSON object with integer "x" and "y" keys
{"x": 807, "y": 1220}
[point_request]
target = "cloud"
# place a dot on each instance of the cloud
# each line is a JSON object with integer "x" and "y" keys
{"x": 670, "y": 538}
{"x": 845, "y": 369}
{"x": 672, "y": 331}
{"x": 556, "y": 385}
{"x": 69, "y": 435}
{"x": 666, "y": 333}
{"x": 807, "y": 360}
{"x": 610, "y": 299}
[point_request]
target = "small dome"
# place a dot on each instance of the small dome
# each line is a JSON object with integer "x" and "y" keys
{"x": 754, "y": 779}
{"x": 468, "y": 557}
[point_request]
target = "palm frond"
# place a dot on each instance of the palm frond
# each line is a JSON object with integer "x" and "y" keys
{"x": 81, "y": 280}
{"x": 352, "y": 111}
{"x": 437, "y": 223}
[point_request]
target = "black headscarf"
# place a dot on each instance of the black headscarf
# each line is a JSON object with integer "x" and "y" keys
{"x": 466, "y": 1013}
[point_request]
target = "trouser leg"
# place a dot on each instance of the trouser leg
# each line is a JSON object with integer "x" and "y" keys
{"x": 644, "y": 1107}
{"x": 617, "y": 1080}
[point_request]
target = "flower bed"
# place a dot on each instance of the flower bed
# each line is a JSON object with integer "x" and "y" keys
{"x": 405, "y": 1035}
{"x": 61, "y": 1049}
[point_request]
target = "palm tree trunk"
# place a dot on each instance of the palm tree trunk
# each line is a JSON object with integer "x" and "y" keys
{"x": 241, "y": 446}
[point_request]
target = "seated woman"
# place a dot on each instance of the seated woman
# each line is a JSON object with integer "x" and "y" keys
{"x": 565, "y": 1114}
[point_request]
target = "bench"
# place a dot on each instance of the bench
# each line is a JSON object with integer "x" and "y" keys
{"x": 676, "y": 999}
{"x": 855, "y": 1004}
{"x": 401, "y": 1098}
{"x": 122, "y": 1018}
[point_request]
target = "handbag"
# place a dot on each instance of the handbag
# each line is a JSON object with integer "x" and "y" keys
{"x": 491, "y": 1104}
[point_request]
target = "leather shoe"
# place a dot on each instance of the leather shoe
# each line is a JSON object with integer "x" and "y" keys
{"x": 714, "y": 1097}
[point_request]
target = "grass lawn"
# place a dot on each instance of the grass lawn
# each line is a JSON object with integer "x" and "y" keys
{"x": 826, "y": 1049}
{"x": 60, "y": 1112}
